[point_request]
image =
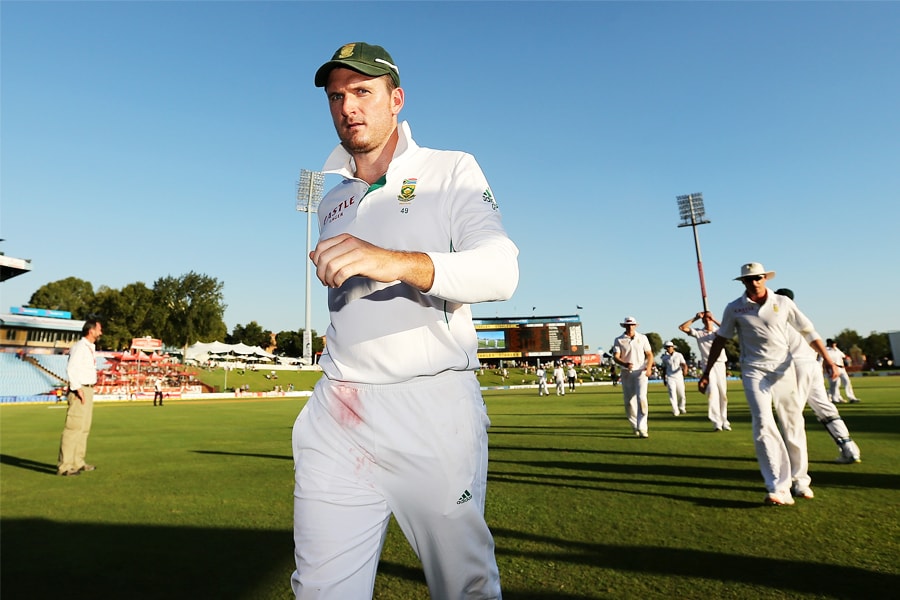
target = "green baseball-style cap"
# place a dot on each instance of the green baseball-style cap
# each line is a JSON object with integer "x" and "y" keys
{"x": 367, "y": 59}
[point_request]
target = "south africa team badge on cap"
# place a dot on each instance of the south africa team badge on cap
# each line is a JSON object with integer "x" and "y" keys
{"x": 407, "y": 190}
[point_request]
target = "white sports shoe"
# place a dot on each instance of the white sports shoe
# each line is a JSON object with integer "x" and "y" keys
{"x": 778, "y": 499}
{"x": 847, "y": 460}
{"x": 805, "y": 493}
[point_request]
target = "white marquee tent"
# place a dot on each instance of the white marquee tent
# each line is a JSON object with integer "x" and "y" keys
{"x": 202, "y": 352}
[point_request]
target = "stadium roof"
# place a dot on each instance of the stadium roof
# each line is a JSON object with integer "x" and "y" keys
{"x": 11, "y": 267}
{"x": 27, "y": 321}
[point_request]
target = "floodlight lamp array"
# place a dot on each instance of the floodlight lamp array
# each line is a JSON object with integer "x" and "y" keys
{"x": 309, "y": 190}
{"x": 690, "y": 209}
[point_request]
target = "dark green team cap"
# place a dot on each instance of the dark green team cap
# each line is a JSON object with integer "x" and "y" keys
{"x": 367, "y": 59}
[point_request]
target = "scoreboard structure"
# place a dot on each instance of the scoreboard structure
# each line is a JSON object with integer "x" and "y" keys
{"x": 531, "y": 337}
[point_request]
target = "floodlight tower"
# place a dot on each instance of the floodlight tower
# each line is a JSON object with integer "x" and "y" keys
{"x": 309, "y": 194}
{"x": 690, "y": 208}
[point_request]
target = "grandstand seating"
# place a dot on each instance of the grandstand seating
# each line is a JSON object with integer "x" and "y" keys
{"x": 21, "y": 378}
{"x": 55, "y": 363}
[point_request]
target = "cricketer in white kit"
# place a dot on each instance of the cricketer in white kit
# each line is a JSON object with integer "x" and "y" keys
{"x": 811, "y": 385}
{"x": 717, "y": 391}
{"x": 838, "y": 356}
{"x": 674, "y": 370}
{"x": 761, "y": 320}
{"x": 633, "y": 353}
{"x": 397, "y": 425}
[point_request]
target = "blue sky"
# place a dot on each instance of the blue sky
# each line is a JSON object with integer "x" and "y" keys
{"x": 147, "y": 139}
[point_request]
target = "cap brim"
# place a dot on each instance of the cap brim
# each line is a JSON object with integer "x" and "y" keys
{"x": 359, "y": 67}
{"x": 768, "y": 274}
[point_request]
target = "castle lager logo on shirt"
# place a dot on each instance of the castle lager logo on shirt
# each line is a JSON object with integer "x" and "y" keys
{"x": 407, "y": 190}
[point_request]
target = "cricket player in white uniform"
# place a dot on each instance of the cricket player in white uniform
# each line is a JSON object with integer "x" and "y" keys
{"x": 674, "y": 370}
{"x": 717, "y": 391}
{"x": 811, "y": 385}
{"x": 397, "y": 425}
{"x": 542, "y": 381}
{"x": 838, "y": 356}
{"x": 559, "y": 378}
{"x": 761, "y": 320}
{"x": 633, "y": 353}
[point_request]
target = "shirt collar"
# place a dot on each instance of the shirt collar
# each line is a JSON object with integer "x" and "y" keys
{"x": 340, "y": 162}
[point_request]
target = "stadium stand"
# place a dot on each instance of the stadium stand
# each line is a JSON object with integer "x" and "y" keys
{"x": 21, "y": 378}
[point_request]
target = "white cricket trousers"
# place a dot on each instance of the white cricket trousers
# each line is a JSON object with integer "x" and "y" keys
{"x": 675, "y": 385}
{"x": 811, "y": 385}
{"x": 717, "y": 396}
{"x": 634, "y": 392}
{"x": 781, "y": 453}
{"x": 417, "y": 450}
{"x": 835, "y": 387}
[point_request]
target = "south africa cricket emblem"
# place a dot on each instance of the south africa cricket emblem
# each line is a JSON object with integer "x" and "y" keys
{"x": 407, "y": 190}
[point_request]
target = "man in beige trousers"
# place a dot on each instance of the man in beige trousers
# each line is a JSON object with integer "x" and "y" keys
{"x": 81, "y": 370}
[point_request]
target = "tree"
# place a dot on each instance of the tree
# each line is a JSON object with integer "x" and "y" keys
{"x": 848, "y": 338}
{"x": 681, "y": 345}
{"x": 188, "y": 309}
{"x": 290, "y": 343}
{"x": 733, "y": 351}
{"x": 252, "y": 334}
{"x": 655, "y": 342}
{"x": 70, "y": 294}
{"x": 877, "y": 348}
{"x": 124, "y": 314}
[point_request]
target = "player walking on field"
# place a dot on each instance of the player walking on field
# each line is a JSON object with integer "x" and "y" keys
{"x": 674, "y": 371}
{"x": 717, "y": 391}
{"x": 541, "y": 374}
{"x": 633, "y": 353}
{"x": 761, "y": 320}
{"x": 844, "y": 379}
{"x": 811, "y": 386}
{"x": 559, "y": 378}
{"x": 397, "y": 426}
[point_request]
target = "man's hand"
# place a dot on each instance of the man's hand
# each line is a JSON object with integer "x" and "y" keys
{"x": 80, "y": 395}
{"x": 703, "y": 383}
{"x": 344, "y": 256}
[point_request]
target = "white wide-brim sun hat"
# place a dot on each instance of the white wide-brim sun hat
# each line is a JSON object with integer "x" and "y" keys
{"x": 752, "y": 269}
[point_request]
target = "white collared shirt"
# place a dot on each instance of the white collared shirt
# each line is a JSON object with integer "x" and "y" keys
{"x": 633, "y": 350}
{"x": 432, "y": 201}
{"x": 673, "y": 363}
{"x": 704, "y": 343}
{"x": 763, "y": 329}
{"x": 81, "y": 368}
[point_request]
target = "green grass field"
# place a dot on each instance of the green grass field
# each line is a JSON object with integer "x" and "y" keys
{"x": 193, "y": 500}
